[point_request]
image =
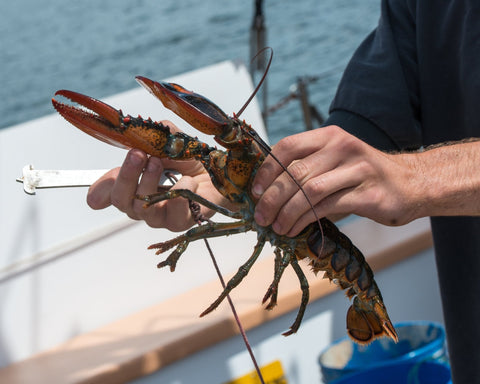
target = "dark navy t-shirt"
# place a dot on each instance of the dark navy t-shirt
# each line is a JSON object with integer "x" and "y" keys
{"x": 413, "y": 82}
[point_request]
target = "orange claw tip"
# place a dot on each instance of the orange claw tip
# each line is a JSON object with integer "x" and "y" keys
{"x": 95, "y": 118}
{"x": 144, "y": 81}
{"x": 155, "y": 88}
{"x": 103, "y": 110}
{"x": 195, "y": 109}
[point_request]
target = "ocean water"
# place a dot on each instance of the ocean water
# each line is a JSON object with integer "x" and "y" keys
{"x": 97, "y": 47}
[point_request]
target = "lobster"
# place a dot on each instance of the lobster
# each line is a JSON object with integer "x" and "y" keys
{"x": 232, "y": 172}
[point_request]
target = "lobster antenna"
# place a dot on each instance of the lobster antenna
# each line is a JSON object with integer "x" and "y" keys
{"x": 261, "y": 80}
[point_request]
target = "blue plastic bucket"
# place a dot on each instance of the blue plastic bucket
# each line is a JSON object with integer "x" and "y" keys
{"x": 417, "y": 341}
{"x": 412, "y": 372}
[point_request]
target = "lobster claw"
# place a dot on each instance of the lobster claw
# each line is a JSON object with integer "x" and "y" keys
{"x": 103, "y": 122}
{"x": 109, "y": 125}
{"x": 195, "y": 109}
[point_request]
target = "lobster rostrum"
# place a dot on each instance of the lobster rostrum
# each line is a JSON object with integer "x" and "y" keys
{"x": 232, "y": 172}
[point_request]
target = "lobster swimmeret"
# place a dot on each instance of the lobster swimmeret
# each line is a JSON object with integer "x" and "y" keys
{"x": 232, "y": 172}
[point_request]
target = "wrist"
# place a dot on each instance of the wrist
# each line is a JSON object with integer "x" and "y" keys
{"x": 415, "y": 186}
{"x": 444, "y": 181}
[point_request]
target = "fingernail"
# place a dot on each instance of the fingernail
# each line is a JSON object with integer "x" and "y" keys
{"x": 259, "y": 218}
{"x": 257, "y": 190}
{"x": 134, "y": 157}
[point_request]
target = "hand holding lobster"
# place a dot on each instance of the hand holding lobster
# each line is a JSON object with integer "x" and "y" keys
{"x": 341, "y": 175}
{"x": 140, "y": 175}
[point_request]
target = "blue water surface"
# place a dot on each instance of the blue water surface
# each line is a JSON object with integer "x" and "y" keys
{"x": 98, "y": 46}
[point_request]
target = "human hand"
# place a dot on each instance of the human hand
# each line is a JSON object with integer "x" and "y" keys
{"x": 140, "y": 175}
{"x": 341, "y": 175}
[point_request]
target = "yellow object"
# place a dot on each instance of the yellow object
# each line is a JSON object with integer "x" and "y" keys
{"x": 272, "y": 374}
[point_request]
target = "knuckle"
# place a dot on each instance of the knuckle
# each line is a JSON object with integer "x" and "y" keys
{"x": 315, "y": 187}
{"x": 153, "y": 216}
{"x": 349, "y": 144}
{"x": 117, "y": 201}
{"x": 286, "y": 144}
{"x": 334, "y": 131}
{"x": 267, "y": 202}
{"x": 375, "y": 198}
{"x": 345, "y": 142}
{"x": 286, "y": 219}
{"x": 366, "y": 170}
{"x": 156, "y": 222}
{"x": 174, "y": 215}
{"x": 268, "y": 168}
{"x": 120, "y": 201}
{"x": 299, "y": 170}
{"x": 139, "y": 210}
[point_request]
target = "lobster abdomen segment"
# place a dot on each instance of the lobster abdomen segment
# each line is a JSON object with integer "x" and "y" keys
{"x": 344, "y": 264}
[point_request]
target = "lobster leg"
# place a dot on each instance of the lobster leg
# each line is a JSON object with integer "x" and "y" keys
{"x": 305, "y": 296}
{"x": 187, "y": 194}
{"x": 280, "y": 264}
{"x": 238, "y": 277}
{"x": 202, "y": 232}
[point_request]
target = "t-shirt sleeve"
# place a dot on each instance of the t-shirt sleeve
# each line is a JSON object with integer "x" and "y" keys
{"x": 363, "y": 129}
{"x": 378, "y": 93}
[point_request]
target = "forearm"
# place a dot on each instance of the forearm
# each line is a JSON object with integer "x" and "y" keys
{"x": 446, "y": 179}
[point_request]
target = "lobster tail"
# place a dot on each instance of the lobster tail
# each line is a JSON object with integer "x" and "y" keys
{"x": 345, "y": 265}
{"x": 369, "y": 320}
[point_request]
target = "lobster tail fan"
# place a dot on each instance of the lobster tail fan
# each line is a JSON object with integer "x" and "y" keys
{"x": 367, "y": 324}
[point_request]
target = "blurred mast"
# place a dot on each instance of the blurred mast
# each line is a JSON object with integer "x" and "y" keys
{"x": 258, "y": 38}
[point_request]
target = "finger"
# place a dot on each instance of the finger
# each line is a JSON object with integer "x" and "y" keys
{"x": 98, "y": 196}
{"x": 287, "y": 185}
{"x": 278, "y": 193}
{"x": 148, "y": 185}
{"x": 285, "y": 151}
{"x": 125, "y": 186}
{"x": 173, "y": 214}
{"x": 338, "y": 203}
{"x": 317, "y": 189}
